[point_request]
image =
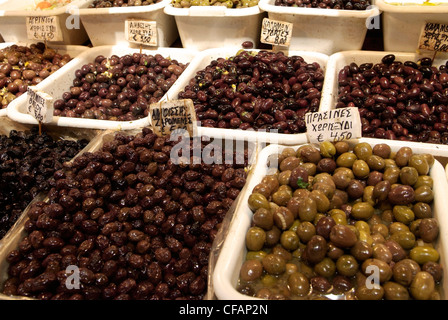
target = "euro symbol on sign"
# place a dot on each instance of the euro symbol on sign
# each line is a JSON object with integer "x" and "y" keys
{"x": 320, "y": 138}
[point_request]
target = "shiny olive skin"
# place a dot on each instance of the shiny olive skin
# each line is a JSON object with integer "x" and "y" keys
{"x": 395, "y": 291}
{"x": 274, "y": 264}
{"x": 404, "y": 271}
{"x": 255, "y": 238}
{"x": 251, "y": 270}
{"x": 422, "y": 286}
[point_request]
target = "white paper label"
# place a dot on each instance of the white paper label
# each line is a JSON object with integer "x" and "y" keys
{"x": 40, "y": 105}
{"x": 333, "y": 125}
{"x": 167, "y": 116}
{"x": 141, "y": 31}
{"x": 434, "y": 37}
{"x": 275, "y": 32}
{"x": 44, "y": 28}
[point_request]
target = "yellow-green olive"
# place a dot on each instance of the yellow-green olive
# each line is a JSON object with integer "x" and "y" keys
{"x": 360, "y": 169}
{"x": 419, "y": 162}
{"x": 423, "y": 254}
{"x": 424, "y": 181}
{"x": 347, "y": 265}
{"x": 308, "y": 209}
{"x": 422, "y": 286}
{"x": 257, "y": 201}
{"x": 406, "y": 239}
{"x": 346, "y": 160}
{"x": 289, "y": 240}
{"x": 327, "y": 149}
{"x": 306, "y": 230}
{"x": 403, "y": 214}
{"x": 299, "y": 284}
{"x": 325, "y": 268}
{"x": 255, "y": 238}
{"x": 274, "y": 264}
{"x": 408, "y": 175}
{"x": 424, "y": 194}
{"x": 372, "y": 293}
{"x": 362, "y": 210}
{"x": 395, "y": 291}
{"x": 363, "y": 150}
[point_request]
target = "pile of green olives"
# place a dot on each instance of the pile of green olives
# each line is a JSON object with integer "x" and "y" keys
{"x": 343, "y": 221}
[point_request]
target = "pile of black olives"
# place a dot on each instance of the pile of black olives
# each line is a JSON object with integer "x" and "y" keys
{"x": 398, "y": 100}
{"x": 27, "y": 164}
{"x": 333, "y": 218}
{"x": 134, "y": 224}
{"x": 256, "y": 90}
{"x": 118, "y": 88}
{"x": 121, "y": 3}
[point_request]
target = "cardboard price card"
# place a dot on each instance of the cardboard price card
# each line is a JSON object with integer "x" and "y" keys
{"x": 141, "y": 31}
{"x": 275, "y": 32}
{"x": 434, "y": 37}
{"x": 168, "y": 116}
{"x": 40, "y": 105}
{"x": 44, "y": 28}
{"x": 333, "y": 125}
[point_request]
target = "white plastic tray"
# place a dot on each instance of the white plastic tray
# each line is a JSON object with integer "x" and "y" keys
{"x": 227, "y": 269}
{"x": 338, "y": 60}
{"x": 63, "y": 79}
{"x": 72, "y": 50}
{"x": 106, "y": 26}
{"x": 402, "y": 23}
{"x": 322, "y": 30}
{"x": 13, "y": 21}
{"x": 203, "y": 59}
{"x": 205, "y": 27}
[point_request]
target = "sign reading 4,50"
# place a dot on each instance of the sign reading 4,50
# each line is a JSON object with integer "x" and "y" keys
{"x": 340, "y": 135}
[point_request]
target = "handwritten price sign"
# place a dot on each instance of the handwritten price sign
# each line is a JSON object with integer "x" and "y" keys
{"x": 168, "y": 116}
{"x": 333, "y": 125}
{"x": 275, "y": 32}
{"x": 40, "y": 105}
{"x": 141, "y": 31}
{"x": 44, "y": 28}
{"x": 434, "y": 37}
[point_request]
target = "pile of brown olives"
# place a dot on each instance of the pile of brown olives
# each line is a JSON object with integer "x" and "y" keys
{"x": 118, "y": 88}
{"x": 134, "y": 224}
{"x": 227, "y": 3}
{"x": 23, "y": 66}
{"x": 256, "y": 90}
{"x": 326, "y": 4}
{"x": 398, "y": 100}
{"x": 27, "y": 164}
{"x": 335, "y": 222}
{"x": 121, "y": 3}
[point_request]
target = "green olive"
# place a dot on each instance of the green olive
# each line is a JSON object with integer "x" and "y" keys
{"x": 322, "y": 202}
{"x": 341, "y": 147}
{"x": 272, "y": 182}
{"x": 347, "y": 265}
{"x": 257, "y": 201}
{"x": 325, "y": 268}
{"x": 274, "y": 264}
{"x": 306, "y": 230}
{"x": 424, "y": 181}
{"x": 299, "y": 284}
{"x": 309, "y": 167}
{"x": 283, "y": 177}
{"x": 391, "y": 174}
{"x": 281, "y": 197}
{"x": 342, "y": 177}
{"x": 404, "y": 271}
{"x": 373, "y": 293}
{"x": 419, "y": 162}
{"x": 363, "y": 150}
{"x": 376, "y": 162}
{"x": 289, "y": 240}
{"x": 408, "y": 175}
{"x": 251, "y": 270}
{"x": 424, "y": 194}
{"x": 403, "y": 156}
{"x": 250, "y": 255}
{"x": 422, "y": 286}
{"x": 429, "y": 159}
{"x": 263, "y": 189}
{"x": 255, "y": 238}
{"x": 403, "y": 214}
{"x": 422, "y": 210}
{"x": 406, "y": 239}
{"x": 395, "y": 291}
{"x": 308, "y": 209}
{"x": 385, "y": 271}
{"x": 346, "y": 160}
{"x": 423, "y": 254}
{"x": 327, "y": 149}
{"x": 360, "y": 169}
{"x": 263, "y": 218}
{"x": 362, "y": 210}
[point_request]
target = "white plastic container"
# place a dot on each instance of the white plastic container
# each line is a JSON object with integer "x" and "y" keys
{"x": 63, "y": 79}
{"x": 13, "y": 16}
{"x": 203, "y": 59}
{"x": 403, "y": 22}
{"x": 338, "y": 60}
{"x": 205, "y": 27}
{"x": 72, "y": 50}
{"x": 106, "y": 26}
{"x": 228, "y": 265}
{"x": 323, "y": 30}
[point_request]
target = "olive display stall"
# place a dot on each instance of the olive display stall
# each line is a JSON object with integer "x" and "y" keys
{"x": 96, "y": 203}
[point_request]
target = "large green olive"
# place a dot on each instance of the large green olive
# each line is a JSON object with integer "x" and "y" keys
{"x": 395, "y": 291}
{"x": 423, "y": 254}
{"x": 272, "y": 182}
{"x": 373, "y": 293}
{"x": 422, "y": 210}
{"x": 341, "y": 178}
{"x": 382, "y": 150}
{"x": 306, "y": 230}
{"x": 362, "y": 210}
{"x": 263, "y": 218}
{"x": 402, "y": 156}
{"x": 341, "y": 147}
{"x": 274, "y": 264}
{"x": 423, "y": 286}
{"x": 419, "y": 162}
{"x": 298, "y": 284}
{"x": 308, "y": 209}
{"x": 257, "y": 201}
{"x": 408, "y": 175}
{"x": 403, "y": 214}
{"x": 251, "y": 270}
{"x": 406, "y": 239}
{"x": 360, "y": 169}
{"x": 424, "y": 194}
{"x": 325, "y": 268}
{"x": 347, "y": 265}
{"x": 283, "y": 177}
{"x": 309, "y": 167}
{"x": 424, "y": 181}
{"x": 404, "y": 271}
{"x": 327, "y": 149}
{"x": 283, "y": 218}
{"x": 363, "y": 150}
{"x": 289, "y": 240}
{"x": 346, "y": 160}
{"x": 255, "y": 238}
{"x": 391, "y": 174}
{"x": 281, "y": 197}
{"x": 263, "y": 189}
{"x": 322, "y": 202}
